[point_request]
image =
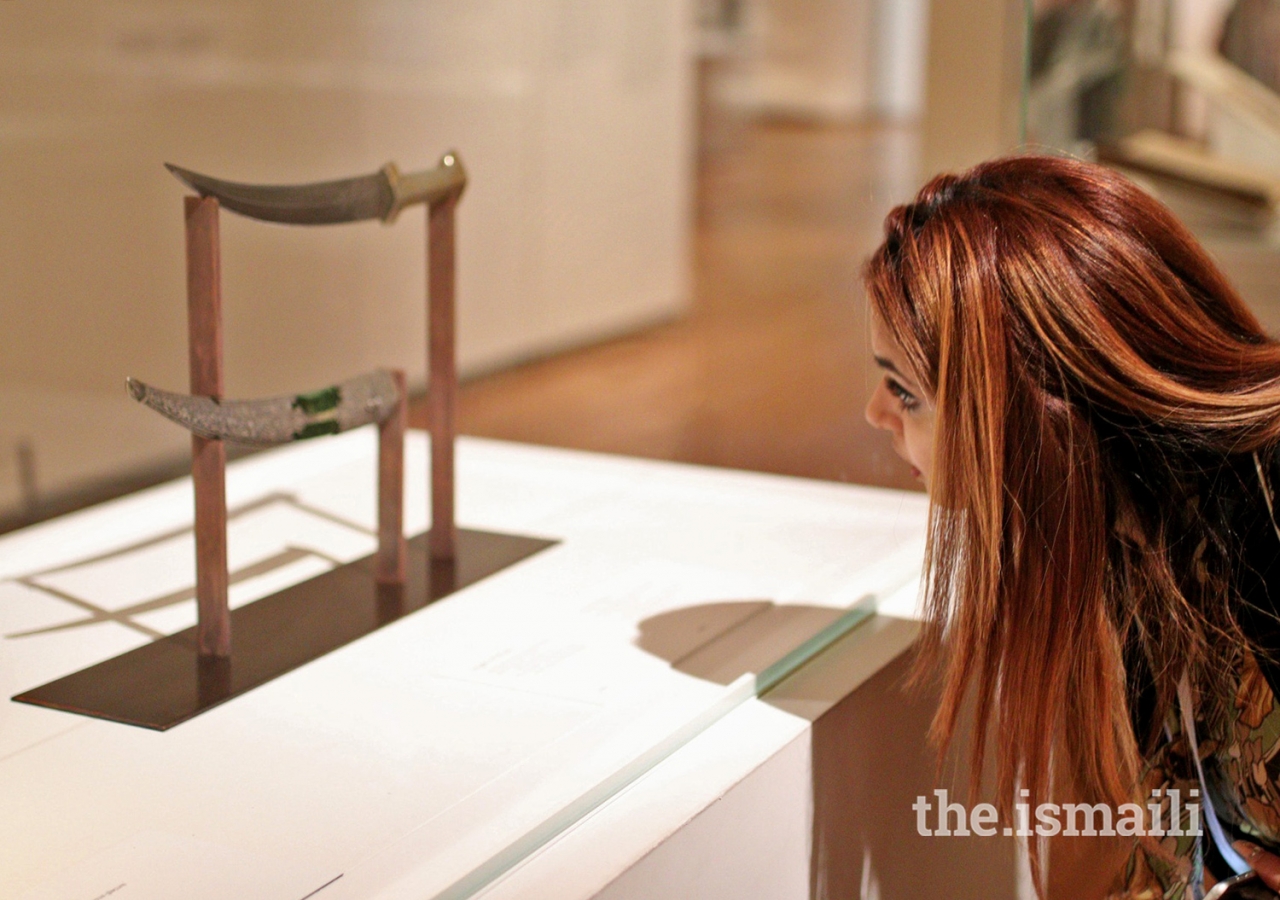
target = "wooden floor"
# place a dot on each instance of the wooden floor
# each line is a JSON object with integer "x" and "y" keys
{"x": 770, "y": 369}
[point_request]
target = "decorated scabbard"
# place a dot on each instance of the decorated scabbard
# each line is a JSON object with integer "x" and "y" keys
{"x": 277, "y": 420}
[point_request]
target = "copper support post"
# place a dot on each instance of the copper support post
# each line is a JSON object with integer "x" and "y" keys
{"x": 391, "y": 543}
{"x": 442, "y": 374}
{"x": 208, "y": 457}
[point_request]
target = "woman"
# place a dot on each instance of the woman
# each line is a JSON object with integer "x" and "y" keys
{"x": 1095, "y": 413}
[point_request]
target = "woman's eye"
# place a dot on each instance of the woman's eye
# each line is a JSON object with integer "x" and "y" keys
{"x": 908, "y": 400}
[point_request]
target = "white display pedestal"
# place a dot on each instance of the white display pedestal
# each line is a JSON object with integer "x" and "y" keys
{"x": 582, "y": 724}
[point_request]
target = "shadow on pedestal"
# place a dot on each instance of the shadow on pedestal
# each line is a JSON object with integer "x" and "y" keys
{"x": 161, "y": 684}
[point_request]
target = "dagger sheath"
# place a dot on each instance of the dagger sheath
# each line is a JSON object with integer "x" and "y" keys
{"x": 277, "y": 420}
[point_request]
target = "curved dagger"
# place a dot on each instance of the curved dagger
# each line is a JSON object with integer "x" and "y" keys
{"x": 277, "y": 420}
{"x": 378, "y": 196}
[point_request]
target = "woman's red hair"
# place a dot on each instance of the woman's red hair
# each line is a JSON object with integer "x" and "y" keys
{"x": 1090, "y": 368}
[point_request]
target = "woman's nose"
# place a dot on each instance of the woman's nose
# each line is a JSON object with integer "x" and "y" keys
{"x": 878, "y": 413}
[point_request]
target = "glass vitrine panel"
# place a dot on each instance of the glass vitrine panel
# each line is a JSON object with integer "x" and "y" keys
{"x": 1183, "y": 96}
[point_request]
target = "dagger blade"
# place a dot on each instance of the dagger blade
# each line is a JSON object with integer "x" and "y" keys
{"x": 277, "y": 420}
{"x": 381, "y": 195}
{"x": 319, "y": 203}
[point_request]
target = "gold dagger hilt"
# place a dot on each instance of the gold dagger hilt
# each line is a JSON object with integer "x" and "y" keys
{"x": 430, "y": 186}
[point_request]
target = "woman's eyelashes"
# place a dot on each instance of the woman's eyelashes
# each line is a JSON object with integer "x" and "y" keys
{"x": 906, "y": 399}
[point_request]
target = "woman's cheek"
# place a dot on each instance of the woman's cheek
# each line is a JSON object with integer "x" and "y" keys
{"x": 918, "y": 438}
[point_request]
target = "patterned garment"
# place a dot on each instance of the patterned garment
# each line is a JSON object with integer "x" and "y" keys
{"x": 1243, "y": 774}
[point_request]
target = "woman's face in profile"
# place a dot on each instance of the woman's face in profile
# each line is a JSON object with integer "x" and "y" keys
{"x": 899, "y": 405}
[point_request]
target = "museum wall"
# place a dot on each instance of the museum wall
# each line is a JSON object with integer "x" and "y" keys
{"x": 573, "y": 118}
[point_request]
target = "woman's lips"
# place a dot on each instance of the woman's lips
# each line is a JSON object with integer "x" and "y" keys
{"x": 914, "y": 471}
{"x": 903, "y": 456}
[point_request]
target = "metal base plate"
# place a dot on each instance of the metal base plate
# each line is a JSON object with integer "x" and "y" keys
{"x": 166, "y": 682}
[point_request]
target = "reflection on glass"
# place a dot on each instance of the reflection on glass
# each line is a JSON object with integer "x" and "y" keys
{"x": 1182, "y": 95}
{"x": 1078, "y": 56}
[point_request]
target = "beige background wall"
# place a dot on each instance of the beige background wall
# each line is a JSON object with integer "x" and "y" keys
{"x": 573, "y": 117}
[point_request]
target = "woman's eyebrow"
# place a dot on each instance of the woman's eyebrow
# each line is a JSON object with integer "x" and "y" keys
{"x": 886, "y": 364}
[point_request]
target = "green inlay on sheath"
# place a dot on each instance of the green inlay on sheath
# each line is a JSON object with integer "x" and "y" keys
{"x": 318, "y": 401}
{"x": 316, "y": 429}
